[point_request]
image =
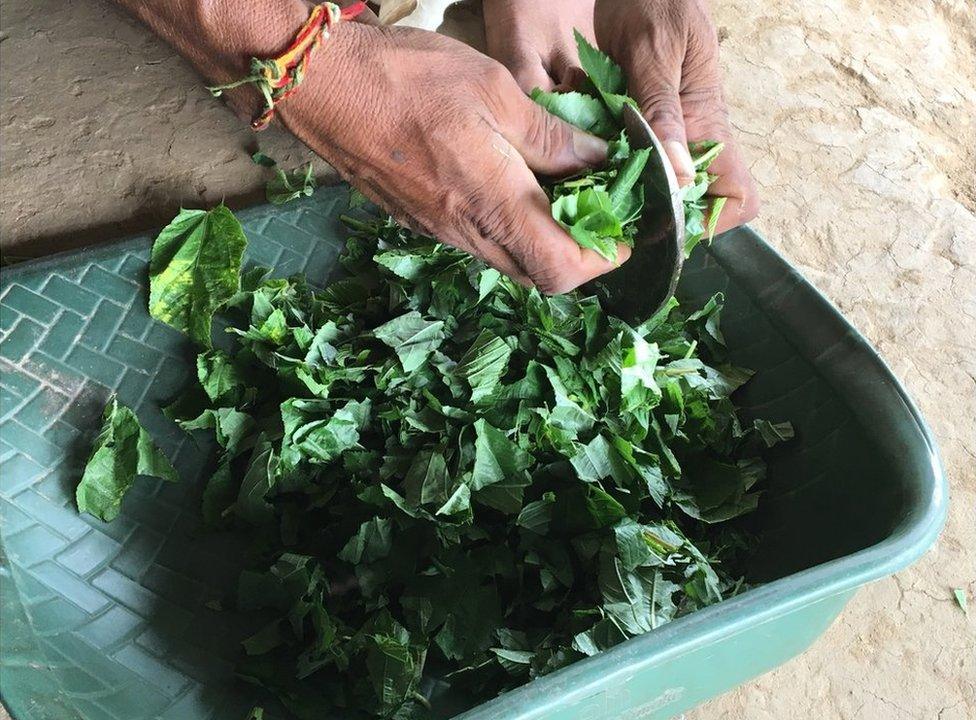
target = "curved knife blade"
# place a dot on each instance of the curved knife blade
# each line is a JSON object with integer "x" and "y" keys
{"x": 642, "y": 285}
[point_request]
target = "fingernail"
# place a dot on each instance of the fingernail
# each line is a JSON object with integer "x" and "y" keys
{"x": 680, "y": 159}
{"x": 589, "y": 148}
{"x": 623, "y": 253}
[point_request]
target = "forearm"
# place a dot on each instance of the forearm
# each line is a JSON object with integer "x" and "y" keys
{"x": 220, "y": 36}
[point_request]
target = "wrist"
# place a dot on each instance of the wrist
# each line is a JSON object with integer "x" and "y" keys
{"x": 329, "y": 100}
{"x": 279, "y": 36}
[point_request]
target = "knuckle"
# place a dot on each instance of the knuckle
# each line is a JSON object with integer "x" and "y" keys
{"x": 482, "y": 215}
{"x": 552, "y": 272}
{"x": 547, "y": 133}
{"x": 496, "y": 76}
{"x": 552, "y": 281}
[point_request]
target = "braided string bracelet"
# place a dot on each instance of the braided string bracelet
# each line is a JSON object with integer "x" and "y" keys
{"x": 277, "y": 78}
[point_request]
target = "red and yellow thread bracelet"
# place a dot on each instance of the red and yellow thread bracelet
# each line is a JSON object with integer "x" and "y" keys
{"x": 277, "y": 78}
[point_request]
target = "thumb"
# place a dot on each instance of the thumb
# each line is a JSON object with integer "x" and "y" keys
{"x": 660, "y": 103}
{"x": 549, "y": 145}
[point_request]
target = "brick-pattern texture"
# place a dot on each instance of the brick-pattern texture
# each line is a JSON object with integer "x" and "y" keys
{"x": 108, "y": 621}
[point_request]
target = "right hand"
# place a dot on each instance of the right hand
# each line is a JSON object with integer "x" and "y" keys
{"x": 669, "y": 52}
{"x": 443, "y": 138}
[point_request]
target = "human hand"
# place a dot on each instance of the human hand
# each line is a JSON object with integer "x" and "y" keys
{"x": 433, "y": 131}
{"x": 442, "y": 137}
{"x": 534, "y": 40}
{"x": 669, "y": 52}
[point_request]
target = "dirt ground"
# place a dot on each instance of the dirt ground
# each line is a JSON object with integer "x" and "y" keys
{"x": 858, "y": 119}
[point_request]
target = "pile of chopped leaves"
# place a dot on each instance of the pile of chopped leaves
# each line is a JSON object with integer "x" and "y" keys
{"x": 445, "y": 475}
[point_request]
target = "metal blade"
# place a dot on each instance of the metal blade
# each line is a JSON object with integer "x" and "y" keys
{"x": 642, "y": 285}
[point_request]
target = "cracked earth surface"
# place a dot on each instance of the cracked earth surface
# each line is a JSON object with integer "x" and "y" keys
{"x": 858, "y": 119}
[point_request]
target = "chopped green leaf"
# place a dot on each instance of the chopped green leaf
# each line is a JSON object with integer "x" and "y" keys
{"x": 412, "y": 338}
{"x": 433, "y": 462}
{"x": 259, "y": 158}
{"x": 583, "y": 111}
{"x": 291, "y": 185}
{"x": 960, "y": 595}
{"x": 123, "y": 451}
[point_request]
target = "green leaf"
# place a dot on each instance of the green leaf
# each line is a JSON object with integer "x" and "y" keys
{"x": 259, "y": 158}
{"x": 412, "y": 338}
{"x": 428, "y": 482}
{"x": 252, "y": 504}
{"x": 960, "y": 595}
{"x": 496, "y": 457}
{"x": 773, "y": 433}
{"x": 356, "y": 199}
{"x": 194, "y": 268}
{"x": 602, "y": 636}
{"x": 372, "y": 542}
{"x": 603, "y": 72}
{"x": 219, "y": 377}
{"x": 603, "y": 507}
{"x": 324, "y": 438}
{"x": 483, "y": 364}
{"x": 123, "y": 450}
{"x": 231, "y": 427}
{"x": 637, "y": 600}
{"x": 621, "y": 190}
{"x": 291, "y": 185}
{"x": 219, "y": 494}
{"x": 638, "y": 387}
{"x": 594, "y": 461}
{"x": 536, "y": 516}
{"x": 458, "y": 505}
{"x": 583, "y": 111}
{"x": 567, "y": 414}
{"x": 714, "y": 213}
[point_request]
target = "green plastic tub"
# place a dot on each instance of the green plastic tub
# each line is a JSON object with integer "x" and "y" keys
{"x": 109, "y": 621}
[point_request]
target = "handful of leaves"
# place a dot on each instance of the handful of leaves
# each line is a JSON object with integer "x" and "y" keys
{"x": 447, "y": 475}
{"x": 600, "y": 209}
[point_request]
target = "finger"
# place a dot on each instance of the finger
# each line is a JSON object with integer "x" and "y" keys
{"x": 530, "y": 74}
{"x": 571, "y": 79}
{"x": 652, "y": 63}
{"x": 549, "y": 146}
{"x": 735, "y": 183}
{"x": 549, "y": 256}
{"x": 565, "y": 68}
{"x": 661, "y": 104}
{"x": 513, "y": 213}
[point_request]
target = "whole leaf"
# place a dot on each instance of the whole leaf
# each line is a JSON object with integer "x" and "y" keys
{"x": 123, "y": 450}
{"x": 194, "y": 268}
